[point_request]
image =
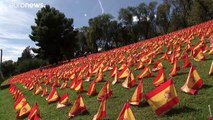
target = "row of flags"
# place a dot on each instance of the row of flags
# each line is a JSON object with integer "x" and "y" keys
{"x": 173, "y": 48}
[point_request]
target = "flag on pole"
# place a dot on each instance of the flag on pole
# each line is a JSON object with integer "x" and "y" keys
{"x": 137, "y": 96}
{"x": 78, "y": 107}
{"x": 162, "y": 98}
{"x": 105, "y": 91}
{"x": 34, "y": 111}
{"x": 160, "y": 78}
{"x": 211, "y": 69}
{"x": 24, "y": 111}
{"x": 53, "y": 96}
{"x": 193, "y": 82}
{"x": 101, "y": 111}
{"x": 64, "y": 101}
{"x": 92, "y": 89}
{"x": 126, "y": 113}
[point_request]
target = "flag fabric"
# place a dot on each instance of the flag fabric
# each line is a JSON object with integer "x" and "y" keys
{"x": 38, "y": 89}
{"x": 193, "y": 82}
{"x": 137, "y": 96}
{"x": 19, "y": 103}
{"x": 24, "y": 111}
{"x": 63, "y": 101}
{"x": 100, "y": 76}
{"x": 79, "y": 86}
{"x": 36, "y": 117}
{"x": 113, "y": 71}
{"x": 129, "y": 81}
{"x": 160, "y": 78}
{"x": 45, "y": 93}
{"x": 101, "y": 111}
{"x": 145, "y": 73}
{"x": 174, "y": 69}
{"x": 211, "y": 69}
{"x": 53, "y": 96}
{"x": 163, "y": 97}
{"x": 198, "y": 55}
{"x": 64, "y": 85}
{"x": 34, "y": 111}
{"x": 123, "y": 73}
{"x": 158, "y": 65}
{"x": 105, "y": 91}
{"x": 92, "y": 89}
{"x": 126, "y": 113}
{"x": 210, "y": 113}
{"x": 187, "y": 62}
{"x": 115, "y": 79}
{"x": 78, "y": 107}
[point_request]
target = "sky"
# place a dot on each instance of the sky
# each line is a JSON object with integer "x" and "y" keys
{"x": 17, "y": 16}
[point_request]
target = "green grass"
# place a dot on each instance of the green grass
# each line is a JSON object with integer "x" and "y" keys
{"x": 190, "y": 107}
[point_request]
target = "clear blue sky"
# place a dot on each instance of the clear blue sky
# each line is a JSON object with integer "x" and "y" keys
{"x": 16, "y": 17}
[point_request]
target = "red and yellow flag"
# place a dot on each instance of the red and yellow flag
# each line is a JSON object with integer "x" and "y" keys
{"x": 162, "y": 98}
{"x": 53, "y": 96}
{"x": 126, "y": 113}
{"x": 92, "y": 89}
{"x": 44, "y": 91}
{"x": 158, "y": 65}
{"x": 78, "y": 107}
{"x": 34, "y": 111}
{"x": 101, "y": 111}
{"x": 38, "y": 89}
{"x": 24, "y": 110}
{"x": 137, "y": 96}
{"x": 79, "y": 86}
{"x": 160, "y": 78}
{"x": 193, "y": 82}
{"x": 174, "y": 69}
{"x": 105, "y": 91}
{"x": 64, "y": 101}
{"x": 129, "y": 81}
{"x": 123, "y": 73}
{"x": 145, "y": 73}
{"x": 19, "y": 102}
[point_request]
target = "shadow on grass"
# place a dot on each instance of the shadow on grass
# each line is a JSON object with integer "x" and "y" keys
{"x": 143, "y": 104}
{"x": 183, "y": 109}
{"x": 205, "y": 86}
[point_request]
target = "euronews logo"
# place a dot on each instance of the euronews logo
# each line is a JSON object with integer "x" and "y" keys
{"x": 15, "y": 4}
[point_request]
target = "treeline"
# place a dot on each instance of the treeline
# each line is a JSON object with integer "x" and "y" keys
{"x": 57, "y": 40}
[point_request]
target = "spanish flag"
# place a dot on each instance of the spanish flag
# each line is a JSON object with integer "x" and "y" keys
{"x": 64, "y": 101}
{"x": 160, "y": 78}
{"x": 187, "y": 62}
{"x": 174, "y": 69}
{"x": 115, "y": 79}
{"x": 126, "y": 113}
{"x": 211, "y": 69}
{"x": 162, "y": 98}
{"x": 78, "y": 107}
{"x": 129, "y": 81}
{"x": 105, "y": 91}
{"x": 137, "y": 96}
{"x": 44, "y": 91}
{"x": 101, "y": 111}
{"x": 79, "y": 86}
{"x": 24, "y": 110}
{"x": 100, "y": 76}
{"x": 145, "y": 73}
{"x": 19, "y": 102}
{"x": 92, "y": 89}
{"x": 114, "y": 70}
{"x": 124, "y": 72}
{"x": 198, "y": 55}
{"x": 158, "y": 65}
{"x": 38, "y": 89}
{"x": 53, "y": 96}
{"x": 34, "y": 111}
{"x": 64, "y": 84}
{"x": 193, "y": 82}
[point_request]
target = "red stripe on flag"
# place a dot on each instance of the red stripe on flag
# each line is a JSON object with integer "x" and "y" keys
{"x": 159, "y": 89}
{"x": 167, "y": 106}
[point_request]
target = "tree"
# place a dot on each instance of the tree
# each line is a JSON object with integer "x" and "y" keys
{"x": 54, "y": 35}
{"x": 26, "y": 54}
{"x": 8, "y": 68}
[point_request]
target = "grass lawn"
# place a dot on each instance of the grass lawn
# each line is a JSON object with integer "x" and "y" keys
{"x": 190, "y": 107}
